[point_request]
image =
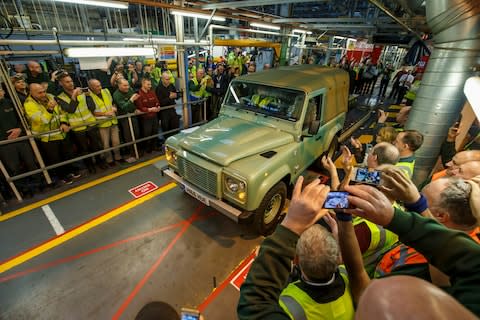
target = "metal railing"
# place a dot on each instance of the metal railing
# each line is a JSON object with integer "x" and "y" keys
{"x": 45, "y": 168}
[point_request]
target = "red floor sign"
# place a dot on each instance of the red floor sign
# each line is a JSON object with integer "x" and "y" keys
{"x": 143, "y": 189}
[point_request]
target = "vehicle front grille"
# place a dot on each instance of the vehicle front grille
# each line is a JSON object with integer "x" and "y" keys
{"x": 200, "y": 177}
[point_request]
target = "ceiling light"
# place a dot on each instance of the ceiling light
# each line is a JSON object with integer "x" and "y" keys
{"x": 301, "y": 31}
{"x": 472, "y": 91}
{"x": 107, "y": 52}
{"x": 196, "y": 15}
{"x": 134, "y": 39}
{"x": 103, "y": 3}
{"x": 265, "y": 26}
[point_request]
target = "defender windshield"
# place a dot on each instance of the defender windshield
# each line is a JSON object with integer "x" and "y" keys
{"x": 276, "y": 102}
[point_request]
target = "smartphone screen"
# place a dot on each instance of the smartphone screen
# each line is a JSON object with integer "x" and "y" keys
{"x": 190, "y": 314}
{"x": 336, "y": 200}
{"x": 363, "y": 175}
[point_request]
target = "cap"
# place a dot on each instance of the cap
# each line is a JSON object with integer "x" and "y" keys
{"x": 18, "y": 77}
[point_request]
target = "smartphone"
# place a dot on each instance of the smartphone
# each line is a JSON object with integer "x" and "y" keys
{"x": 190, "y": 314}
{"x": 363, "y": 175}
{"x": 336, "y": 200}
{"x": 84, "y": 89}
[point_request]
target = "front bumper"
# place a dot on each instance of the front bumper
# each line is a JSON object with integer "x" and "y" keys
{"x": 231, "y": 212}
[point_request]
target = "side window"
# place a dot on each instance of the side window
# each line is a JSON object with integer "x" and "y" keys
{"x": 314, "y": 110}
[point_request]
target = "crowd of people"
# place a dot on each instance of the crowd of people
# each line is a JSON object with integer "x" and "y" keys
{"x": 421, "y": 248}
{"x": 72, "y": 115}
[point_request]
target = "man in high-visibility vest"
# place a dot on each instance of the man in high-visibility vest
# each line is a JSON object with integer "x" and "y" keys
{"x": 47, "y": 119}
{"x": 105, "y": 111}
{"x": 198, "y": 91}
{"x": 78, "y": 107}
{"x": 323, "y": 291}
{"x": 407, "y": 142}
{"x": 453, "y": 202}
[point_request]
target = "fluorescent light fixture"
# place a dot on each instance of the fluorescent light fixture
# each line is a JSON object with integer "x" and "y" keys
{"x": 301, "y": 31}
{"x": 472, "y": 91}
{"x": 103, "y": 3}
{"x": 107, "y": 52}
{"x": 196, "y": 15}
{"x": 265, "y": 26}
{"x": 134, "y": 39}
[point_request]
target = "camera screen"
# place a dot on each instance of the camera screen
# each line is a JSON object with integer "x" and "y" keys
{"x": 336, "y": 200}
{"x": 365, "y": 176}
{"x": 190, "y": 316}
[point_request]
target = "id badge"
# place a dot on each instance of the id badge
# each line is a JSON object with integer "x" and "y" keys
{"x": 218, "y": 85}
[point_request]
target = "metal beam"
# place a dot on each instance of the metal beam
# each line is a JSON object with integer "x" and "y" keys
{"x": 251, "y": 3}
{"x": 391, "y": 15}
{"x": 319, "y": 20}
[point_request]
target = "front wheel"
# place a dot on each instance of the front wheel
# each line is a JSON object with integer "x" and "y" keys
{"x": 269, "y": 213}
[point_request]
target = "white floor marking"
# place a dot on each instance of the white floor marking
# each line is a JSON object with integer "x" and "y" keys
{"x": 53, "y": 220}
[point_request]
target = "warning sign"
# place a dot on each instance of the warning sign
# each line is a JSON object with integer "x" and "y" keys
{"x": 143, "y": 189}
{"x": 241, "y": 275}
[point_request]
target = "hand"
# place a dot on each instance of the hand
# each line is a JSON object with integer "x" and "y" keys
{"x": 332, "y": 223}
{"x": 383, "y": 116}
{"x": 173, "y": 95}
{"x": 356, "y": 143}
{"x": 76, "y": 93}
{"x": 110, "y": 113}
{"x": 453, "y": 132}
{"x": 137, "y": 111}
{"x": 51, "y": 104}
{"x": 328, "y": 164}
{"x": 370, "y": 203}
{"x": 396, "y": 185}
{"x": 346, "y": 158}
{"x": 306, "y": 206}
{"x": 64, "y": 128}
{"x": 134, "y": 97}
{"x": 14, "y": 133}
{"x": 114, "y": 109}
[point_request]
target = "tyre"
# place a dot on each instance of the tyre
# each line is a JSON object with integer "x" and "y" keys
{"x": 269, "y": 213}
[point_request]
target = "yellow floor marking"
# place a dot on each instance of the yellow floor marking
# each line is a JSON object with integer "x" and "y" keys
{"x": 78, "y": 189}
{"x": 81, "y": 229}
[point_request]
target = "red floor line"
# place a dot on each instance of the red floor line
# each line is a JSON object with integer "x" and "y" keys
{"x": 70, "y": 230}
{"x": 157, "y": 263}
{"x": 99, "y": 249}
{"x": 224, "y": 284}
{"x": 86, "y": 253}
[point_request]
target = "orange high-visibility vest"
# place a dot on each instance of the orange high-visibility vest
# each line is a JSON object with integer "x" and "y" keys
{"x": 403, "y": 255}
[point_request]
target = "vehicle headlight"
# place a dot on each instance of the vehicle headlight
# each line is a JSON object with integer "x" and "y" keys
{"x": 171, "y": 155}
{"x": 236, "y": 188}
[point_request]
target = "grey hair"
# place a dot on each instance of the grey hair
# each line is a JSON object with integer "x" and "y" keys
{"x": 455, "y": 200}
{"x": 318, "y": 253}
{"x": 386, "y": 153}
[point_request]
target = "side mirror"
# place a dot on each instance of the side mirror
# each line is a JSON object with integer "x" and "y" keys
{"x": 314, "y": 125}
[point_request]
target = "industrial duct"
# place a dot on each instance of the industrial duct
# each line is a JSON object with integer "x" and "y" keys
{"x": 456, "y": 28}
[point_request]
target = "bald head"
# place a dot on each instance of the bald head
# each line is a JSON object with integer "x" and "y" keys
{"x": 38, "y": 92}
{"x": 426, "y": 301}
{"x": 95, "y": 86}
{"x": 383, "y": 153}
{"x": 465, "y": 164}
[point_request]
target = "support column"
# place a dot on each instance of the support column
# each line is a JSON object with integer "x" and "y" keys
{"x": 182, "y": 71}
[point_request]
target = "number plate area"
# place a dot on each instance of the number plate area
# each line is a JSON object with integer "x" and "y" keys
{"x": 196, "y": 195}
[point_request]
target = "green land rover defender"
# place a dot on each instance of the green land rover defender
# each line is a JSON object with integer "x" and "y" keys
{"x": 272, "y": 126}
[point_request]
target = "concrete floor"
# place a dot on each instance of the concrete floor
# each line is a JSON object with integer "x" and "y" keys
{"x": 169, "y": 248}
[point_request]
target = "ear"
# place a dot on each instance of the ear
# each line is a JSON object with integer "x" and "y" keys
{"x": 442, "y": 217}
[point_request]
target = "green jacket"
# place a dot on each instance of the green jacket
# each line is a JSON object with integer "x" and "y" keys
{"x": 123, "y": 103}
{"x": 452, "y": 252}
